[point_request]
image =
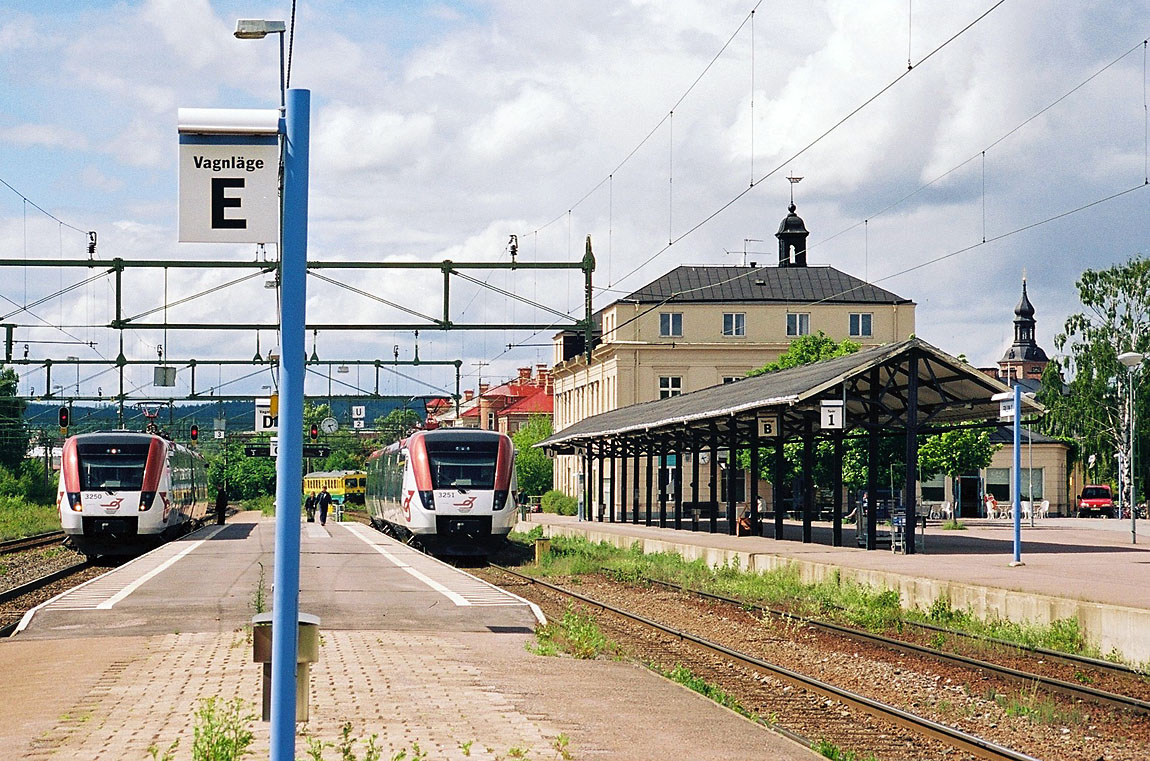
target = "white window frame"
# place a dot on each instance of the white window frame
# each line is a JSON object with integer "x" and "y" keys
{"x": 667, "y": 326}
{"x": 856, "y": 326}
{"x": 734, "y": 324}
{"x": 670, "y": 385}
{"x": 800, "y": 325}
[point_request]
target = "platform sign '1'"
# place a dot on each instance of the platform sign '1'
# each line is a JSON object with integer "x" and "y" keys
{"x": 831, "y": 414}
{"x": 229, "y": 175}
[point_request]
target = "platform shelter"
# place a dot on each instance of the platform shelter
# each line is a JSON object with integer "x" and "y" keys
{"x": 905, "y": 389}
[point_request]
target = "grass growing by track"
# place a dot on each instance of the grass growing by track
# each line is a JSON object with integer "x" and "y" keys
{"x": 835, "y": 598}
{"x": 19, "y": 518}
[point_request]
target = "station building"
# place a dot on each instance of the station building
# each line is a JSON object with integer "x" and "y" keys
{"x": 700, "y": 326}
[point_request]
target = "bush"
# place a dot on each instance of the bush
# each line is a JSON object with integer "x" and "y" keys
{"x": 19, "y": 518}
{"x": 557, "y": 502}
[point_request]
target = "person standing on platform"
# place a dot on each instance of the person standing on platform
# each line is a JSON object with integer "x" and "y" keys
{"x": 323, "y": 501}
{"x": 309, "y": 507}
{"x": 221, "y": 505}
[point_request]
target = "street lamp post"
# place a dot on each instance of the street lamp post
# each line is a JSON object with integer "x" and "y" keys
{"x": 295, "y": 131}
{"x": 1132, "y": 360}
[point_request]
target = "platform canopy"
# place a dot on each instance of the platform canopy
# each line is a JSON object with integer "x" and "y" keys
{"x": 875, "y": 386}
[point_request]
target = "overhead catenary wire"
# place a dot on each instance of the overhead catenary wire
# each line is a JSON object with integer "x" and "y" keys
{"x": 812, "y": 143}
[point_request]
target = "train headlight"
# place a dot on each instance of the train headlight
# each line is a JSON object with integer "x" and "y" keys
{"x": 427, "y": 498}
{"x": 499, "y": 500}
{"x": 74, "y": 501}
{"x": 146, "y": 500}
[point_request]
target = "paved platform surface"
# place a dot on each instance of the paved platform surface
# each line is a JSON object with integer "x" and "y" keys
{"x": 411, "y": 650}
{"x": 1078, "y": 558}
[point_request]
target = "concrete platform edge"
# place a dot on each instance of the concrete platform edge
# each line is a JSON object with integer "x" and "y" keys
{"x": 1110, "y": 627}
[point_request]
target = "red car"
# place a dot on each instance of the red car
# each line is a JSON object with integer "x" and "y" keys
{"x": 1096, "y": 501}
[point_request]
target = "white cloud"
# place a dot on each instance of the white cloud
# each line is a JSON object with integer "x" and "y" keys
{"x": 45, "y": 135}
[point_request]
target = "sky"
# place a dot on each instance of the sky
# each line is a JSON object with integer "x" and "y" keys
{"x": 947, "y": 150}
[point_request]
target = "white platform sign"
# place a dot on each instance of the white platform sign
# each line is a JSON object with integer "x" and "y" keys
{"x": 265, "y": 421}
{"x": 831, "y": 414}
{"x": 358, "y": 411}
{"x": 229, "y": 176}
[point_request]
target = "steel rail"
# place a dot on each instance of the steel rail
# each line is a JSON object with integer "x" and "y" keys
{"x": 11, "y": 594}
{"x": 1077, "y": 691}
{"x": 955, "y": 738}
{"x": 30, "y": 542}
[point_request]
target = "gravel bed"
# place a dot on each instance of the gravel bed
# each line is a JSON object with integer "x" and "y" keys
{"x": 28, "y": 565}
{"x": 22, "y": 567}
{"x": 1056, "y": 728}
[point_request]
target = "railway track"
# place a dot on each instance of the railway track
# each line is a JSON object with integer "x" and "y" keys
{"x": 919, "y": 726}
{"x": 1027, "y": 678}
{"x": 31, "y": 542}
{"x": 10, "y": 605}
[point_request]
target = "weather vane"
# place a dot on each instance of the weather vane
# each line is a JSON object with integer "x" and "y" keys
{"x": 794, "y": 181}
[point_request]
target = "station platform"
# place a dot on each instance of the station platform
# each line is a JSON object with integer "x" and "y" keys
{"x": 411, "y": 649}
{"x": 1087, "y": 569}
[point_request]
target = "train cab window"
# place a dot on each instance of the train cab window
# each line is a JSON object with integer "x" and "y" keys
{"x": 113, "y": 468}
{"x": 462, "y": 465}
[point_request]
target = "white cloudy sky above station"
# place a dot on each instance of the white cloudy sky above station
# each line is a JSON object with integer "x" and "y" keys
{"x": 440, "y": 129}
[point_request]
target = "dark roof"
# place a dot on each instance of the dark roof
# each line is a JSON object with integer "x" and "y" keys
{"x": 1005, "y": 435}
{"x": 690, "y": 283}
{"x": 950, "y": 391}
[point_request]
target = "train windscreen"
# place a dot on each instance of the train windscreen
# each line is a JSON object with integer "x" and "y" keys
{"x": 112, "y": 467}
{"x": 462, "y": 464}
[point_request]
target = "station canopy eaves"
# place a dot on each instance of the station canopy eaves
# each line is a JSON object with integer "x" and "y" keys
{"x": 873, "y": 383}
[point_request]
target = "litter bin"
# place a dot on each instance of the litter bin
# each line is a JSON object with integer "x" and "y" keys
{"x": 307, "y": 654}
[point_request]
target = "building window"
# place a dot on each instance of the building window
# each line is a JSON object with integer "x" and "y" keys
{"x": 670, "y": 385}
{"x": 671, "y": 324}
{"x": 860, "y": 325}
{"x": 798, "y": 324}
{"x": 735, "y": 324}
{"x": 731, "y": 378}
{"x": 491, "y": 421}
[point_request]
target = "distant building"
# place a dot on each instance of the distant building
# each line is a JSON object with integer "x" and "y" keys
{"x": 1025, "y": 360}
{"x": 505, "y": 408}
{"x": 699, "y": 326}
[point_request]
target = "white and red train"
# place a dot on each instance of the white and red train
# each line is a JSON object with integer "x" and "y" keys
{"x": 122, "y": 493}
{"x": 450, "y": 490}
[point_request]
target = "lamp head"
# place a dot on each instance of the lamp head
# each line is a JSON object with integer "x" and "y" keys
{"x": 1131, "y": 359}
{"x": 257, "y": 29}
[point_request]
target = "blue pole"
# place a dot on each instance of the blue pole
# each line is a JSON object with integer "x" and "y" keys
{"x": 289, "y": 465}
{"x": 1017, "y": 474}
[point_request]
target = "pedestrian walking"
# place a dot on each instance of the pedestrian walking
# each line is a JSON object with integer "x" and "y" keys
{"x": 309, "y": 507}
{"x": 323, "y": 501}
{"x": 221, "y": 505}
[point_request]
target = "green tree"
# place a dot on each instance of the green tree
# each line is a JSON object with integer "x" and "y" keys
{"x": 955, "y": 452}
{"x": 396, "y": 424}
{"x": 807, "y": 349}
{"x": 1089, "y": 408}
{"x": 246, "y": 477}
{"x": 533, "y": 465}
{"x": 802, "y": 351}
{"x": 14, "y": 434}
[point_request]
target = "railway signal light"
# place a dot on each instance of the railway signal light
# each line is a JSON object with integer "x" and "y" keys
{"x": 314, "y": 432}
{"x": 195, "y": 432}
{"x": 65, "y": 419}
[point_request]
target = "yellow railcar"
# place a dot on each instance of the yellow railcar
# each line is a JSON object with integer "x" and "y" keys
{"x": 344, "y": 486}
